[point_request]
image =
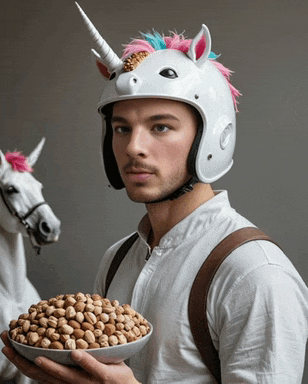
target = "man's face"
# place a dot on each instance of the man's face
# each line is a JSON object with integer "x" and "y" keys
{"x": 151, "y": 142}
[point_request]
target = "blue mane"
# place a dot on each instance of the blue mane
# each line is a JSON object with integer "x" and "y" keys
{"x": 155, "y": 39}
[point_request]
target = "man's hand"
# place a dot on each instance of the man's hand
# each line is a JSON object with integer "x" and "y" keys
{"x": 49, "y": 372}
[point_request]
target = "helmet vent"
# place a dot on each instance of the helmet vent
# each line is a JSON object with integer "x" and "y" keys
{"x": 225, "y": 136}
{"x": 209, "y": 156}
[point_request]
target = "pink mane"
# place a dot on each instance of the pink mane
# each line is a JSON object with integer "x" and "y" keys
{"x": 18, "y": 162}
{"x": 180, "y": 43}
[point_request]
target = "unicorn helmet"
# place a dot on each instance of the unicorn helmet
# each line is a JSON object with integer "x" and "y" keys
{"x": 177, "y": 69}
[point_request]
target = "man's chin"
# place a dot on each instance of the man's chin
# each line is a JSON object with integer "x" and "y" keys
{"x": 147, "y": 198}
{"x": 137, "y": 198}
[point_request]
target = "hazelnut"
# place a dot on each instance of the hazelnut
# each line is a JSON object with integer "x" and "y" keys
{"x": 70, "y": 312}
{"x": 89, "y": 337}
{"x": 56, "y": 345}
{"x": 55, "y": 336}
{"x": 81, "y": 344}
{"x": 94, "y": 346}
{"x": 87, "y": 326}
{"x": 109, "y": 329}
{"x": 66, "y": 329}
{"x": 78, "y": 333}
{"x": 45, "y": 343}
{"x": 79, "y": 317}
{"x": 90, "y": 318}
{"x": 113, "y": 340}
{"x": 70, "y": 344}
{"x": 52, "y": 321}
{"x": 74, "y": 324}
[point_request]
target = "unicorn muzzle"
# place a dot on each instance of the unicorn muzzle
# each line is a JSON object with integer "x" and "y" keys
{"x": 49, "y": 233}
{"x": 128, "y": 84}
{"x": 46, "y": 231}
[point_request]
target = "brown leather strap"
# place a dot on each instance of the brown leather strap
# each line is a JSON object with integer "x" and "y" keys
{"x": 119, "y": 256}
{"x": 199, "y": 292}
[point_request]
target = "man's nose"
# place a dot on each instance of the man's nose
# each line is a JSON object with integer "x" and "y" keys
{"x": 137, "y": 145}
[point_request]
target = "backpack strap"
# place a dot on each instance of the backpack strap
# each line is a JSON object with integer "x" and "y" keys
{"x": 199, "y": 291}
{"x": 119, "y": 256}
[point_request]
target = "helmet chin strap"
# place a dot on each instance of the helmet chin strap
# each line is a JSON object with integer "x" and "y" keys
{"x": 186, "y": 187}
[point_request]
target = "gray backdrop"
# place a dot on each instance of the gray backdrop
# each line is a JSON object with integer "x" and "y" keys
{"x": 50, "y": 87}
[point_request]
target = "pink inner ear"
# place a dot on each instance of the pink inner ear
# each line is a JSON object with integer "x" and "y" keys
{"x": 103, "y": 69}
{"x": 200, "y": 47}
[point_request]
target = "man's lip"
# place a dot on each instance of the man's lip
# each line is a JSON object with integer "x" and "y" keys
{"x": 138, "y": 171}
{"x": 138, "y": 175}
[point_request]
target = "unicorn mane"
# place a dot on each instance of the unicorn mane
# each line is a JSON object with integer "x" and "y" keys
{"x": 152, "y": 42}
{"x": 18, "y": 162}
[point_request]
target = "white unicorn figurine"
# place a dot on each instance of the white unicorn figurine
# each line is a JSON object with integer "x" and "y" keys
{"x": 23, "y": 212}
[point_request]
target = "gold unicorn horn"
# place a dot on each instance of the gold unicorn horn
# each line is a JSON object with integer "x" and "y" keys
{"x": 108, "y": 56}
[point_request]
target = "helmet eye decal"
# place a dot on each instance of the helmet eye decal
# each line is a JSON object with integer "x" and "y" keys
{"x": 134, "y": 60}
{"x": 169, "y": 73}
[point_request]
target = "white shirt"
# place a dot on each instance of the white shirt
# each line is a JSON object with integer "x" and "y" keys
{"x": 257, "y": 303}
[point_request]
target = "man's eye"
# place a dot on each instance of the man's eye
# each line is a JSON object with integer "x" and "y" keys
{"x": 161, "y": 128}
{"x": 121, "y": 129}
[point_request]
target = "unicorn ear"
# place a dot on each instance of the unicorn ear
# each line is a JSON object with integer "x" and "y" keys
{"x": 100, "y": 65}
{"x": 204, "y": 34}
{"x": 34, "y": 155}
{"x": 3, "y": 162}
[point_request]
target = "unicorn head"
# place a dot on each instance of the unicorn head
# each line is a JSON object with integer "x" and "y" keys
{"x": 176, "y": 68}
{"x": 23, "y": 208}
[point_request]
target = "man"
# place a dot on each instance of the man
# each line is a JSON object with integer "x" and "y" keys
{"x": 169, "y": 132}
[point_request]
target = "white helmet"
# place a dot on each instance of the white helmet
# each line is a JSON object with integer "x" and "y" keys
{"x": 188, "y": 77}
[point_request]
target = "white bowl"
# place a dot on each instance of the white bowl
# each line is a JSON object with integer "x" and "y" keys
{"x": 114, "y": 354}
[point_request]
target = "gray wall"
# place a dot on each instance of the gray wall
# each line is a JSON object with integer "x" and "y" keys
{"x": 50, "y": 87}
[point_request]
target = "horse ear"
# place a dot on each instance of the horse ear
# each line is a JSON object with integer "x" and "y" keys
{"x": 3, "y": 162}
{"x": 101, "y": 67}
{"x": 202, "y": 42}
{"x": 34, "y": 155}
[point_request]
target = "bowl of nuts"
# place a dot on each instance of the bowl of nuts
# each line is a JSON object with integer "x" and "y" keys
{"x": 53, "y": 328}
